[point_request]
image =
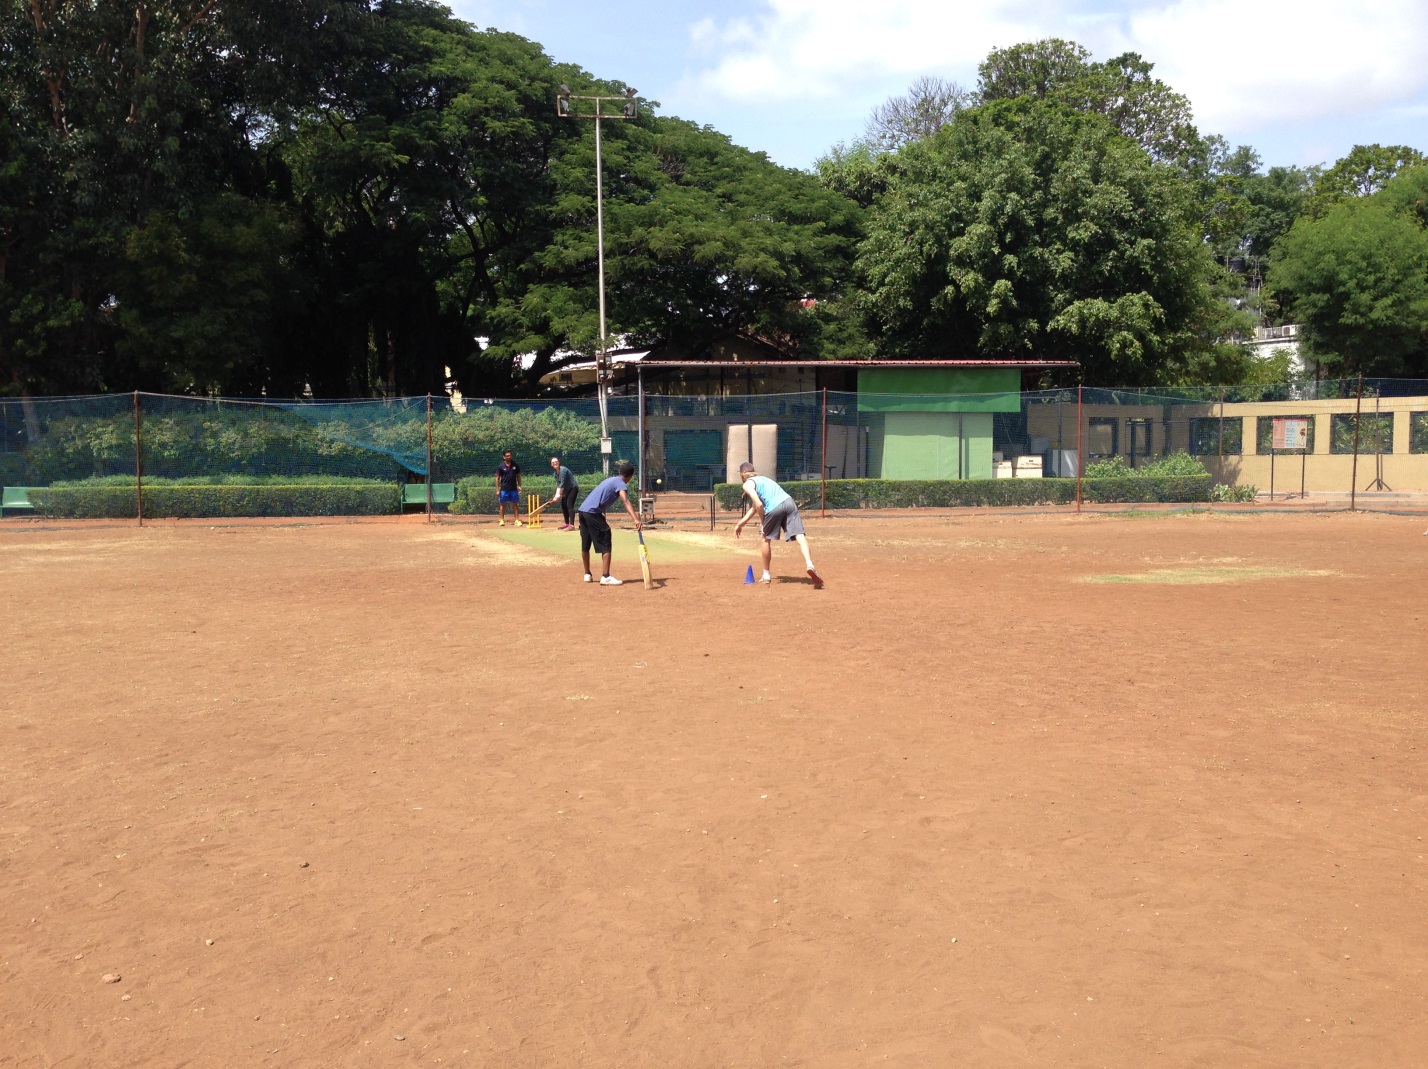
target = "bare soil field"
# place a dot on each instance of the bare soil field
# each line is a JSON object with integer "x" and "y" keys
{"x": 1108, "y": 790}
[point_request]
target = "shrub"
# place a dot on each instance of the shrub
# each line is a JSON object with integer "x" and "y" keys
{"x": 1226, "y": 492}
{"x": 474, "y": 441}
{"x": 113, "y": 498}
{"x": 954, "y": 493}
{"x": 1166, "y": 467}
{"x": 476, "y": 495}
{"x": 1111, "y": 468}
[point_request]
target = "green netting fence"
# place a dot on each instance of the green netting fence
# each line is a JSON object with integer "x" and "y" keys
{"x": 86, "y": 456}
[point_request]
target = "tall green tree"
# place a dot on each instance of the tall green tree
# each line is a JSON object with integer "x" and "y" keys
{"x": 425, "y": 181}
{"x": 114, "y": 112}
{"x": 1276, "y": 198}
{"x": 703, "y": 240}
{"x": 1356, "y": 279}
{"x": 1362, "y": 173}
{"x": 1029, "y": 230}
{"x": 1122, "y": 89}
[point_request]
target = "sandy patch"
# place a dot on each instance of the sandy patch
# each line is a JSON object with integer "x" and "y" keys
{"x": 492, "y": 550}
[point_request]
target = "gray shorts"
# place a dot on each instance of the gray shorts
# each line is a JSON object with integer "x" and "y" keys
{"x": 784, "y": 518}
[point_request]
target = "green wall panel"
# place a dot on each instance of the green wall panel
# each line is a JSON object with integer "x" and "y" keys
{"x": 925, "y": 445}
{"x": 939, "y": 389}
{"x": 977, "y": 445}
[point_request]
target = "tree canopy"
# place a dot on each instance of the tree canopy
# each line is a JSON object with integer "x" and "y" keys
{"x": 350, "y": 197}
{"x": 1356, "y": 278}
{"x": 1029, "y": 230}
{"x": 372, "y": 197}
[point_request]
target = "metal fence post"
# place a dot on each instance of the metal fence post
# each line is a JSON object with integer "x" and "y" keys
{"x": 1354, "y": 475}
{"x": 823, "y": 467}
{"x": 1079, "y": 463}
{"x": 138, "y": 460}
{"x": 1222, "y": 434}
{"x": 429, "y": 472}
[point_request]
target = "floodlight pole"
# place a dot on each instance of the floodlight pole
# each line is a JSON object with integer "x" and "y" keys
{"x": 629, "y": 109}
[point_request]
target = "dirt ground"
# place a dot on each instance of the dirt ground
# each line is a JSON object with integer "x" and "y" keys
{"x": 1130, "y": 791}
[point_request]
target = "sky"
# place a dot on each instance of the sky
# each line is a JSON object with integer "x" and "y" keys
{"x": 1302, "y": 81}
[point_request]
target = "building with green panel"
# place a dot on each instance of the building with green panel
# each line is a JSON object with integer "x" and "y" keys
{"x": 884, "y": 419}
{"x": 934, "y": 422}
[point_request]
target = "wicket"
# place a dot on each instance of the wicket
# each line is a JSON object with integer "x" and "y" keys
{"x": 533, "y": 510}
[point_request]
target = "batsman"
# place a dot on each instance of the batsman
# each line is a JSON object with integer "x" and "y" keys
{"x": 595, "y": 529}
{"x": 779, "y": 513}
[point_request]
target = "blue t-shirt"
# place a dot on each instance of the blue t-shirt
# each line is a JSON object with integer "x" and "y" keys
{"x": 770, "y": 493}
{"x": 604, "y": 495}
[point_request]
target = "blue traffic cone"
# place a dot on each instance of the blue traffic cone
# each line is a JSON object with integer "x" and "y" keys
{"x": 749, "y": 576}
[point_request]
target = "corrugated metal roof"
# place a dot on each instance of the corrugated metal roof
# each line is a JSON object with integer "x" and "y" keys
{"x": 857, "y": 364}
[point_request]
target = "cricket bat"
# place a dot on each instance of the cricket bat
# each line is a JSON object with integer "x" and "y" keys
{"x": 645, "y": 561}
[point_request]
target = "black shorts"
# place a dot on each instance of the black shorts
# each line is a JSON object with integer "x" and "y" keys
{"x": 594, "y": 532}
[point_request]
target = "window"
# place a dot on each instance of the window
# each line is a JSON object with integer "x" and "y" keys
{"x": 1103, "y": 438}
{"x": 1375, "y": 433}
{"x": 1418, "y": 432}
{"x": 1139, "y": 433}
{"x": 1264, "y": 435}
{"x": 1206, "y": 440}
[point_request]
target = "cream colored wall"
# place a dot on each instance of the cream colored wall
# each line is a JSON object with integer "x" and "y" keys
{"x": 1324, "y": 471}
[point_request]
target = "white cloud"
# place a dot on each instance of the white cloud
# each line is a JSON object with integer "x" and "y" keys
{"x": 1246, "y": 66}
{"x": 1294, "y": 61}
{"x": 816, "y": 49}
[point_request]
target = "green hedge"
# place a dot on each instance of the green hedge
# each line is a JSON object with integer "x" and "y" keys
{"x": 954, "y": 493}
{"x": 183, "y": 436}
{"x": 476, "y": 495}
{"x": 113, "y": 498}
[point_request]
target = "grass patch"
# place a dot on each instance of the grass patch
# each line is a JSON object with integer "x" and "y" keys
{"x": 1147, "y": 514}
{"x": 671, "y": 548}
{"x": 1200, "y": 575}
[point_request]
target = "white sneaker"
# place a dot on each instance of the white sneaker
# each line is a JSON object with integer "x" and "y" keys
{"x": 610, "y": 580}
{"x": 589, "y": 578}
{"x": 766, "y": 578}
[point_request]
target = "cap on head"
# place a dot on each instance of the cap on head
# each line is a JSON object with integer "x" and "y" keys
{"x": 746, "y": 468}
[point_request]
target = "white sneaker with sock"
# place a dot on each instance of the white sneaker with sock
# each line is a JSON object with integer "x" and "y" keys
{"x": 610, "y": 580}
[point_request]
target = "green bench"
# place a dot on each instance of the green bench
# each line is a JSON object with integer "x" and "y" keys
{"x": 17, "y": 498}
{"x": 441, "y": 494}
